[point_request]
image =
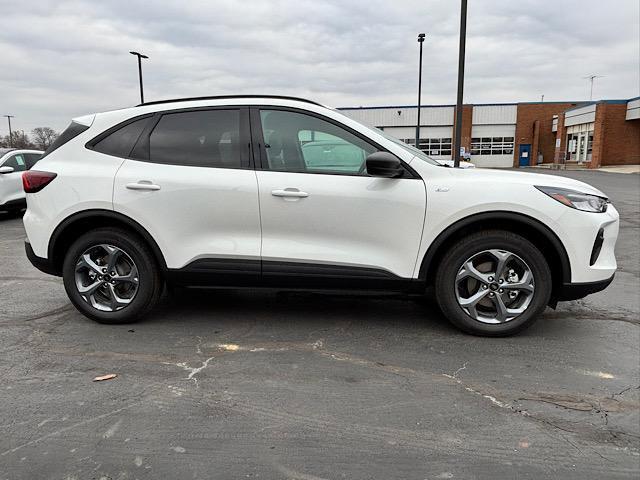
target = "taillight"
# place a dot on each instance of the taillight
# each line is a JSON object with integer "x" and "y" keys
{"x": 33, "y": 181}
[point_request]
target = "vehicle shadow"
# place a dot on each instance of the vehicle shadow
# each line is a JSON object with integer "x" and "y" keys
{"x": 302, "y": 308}
{"x": 297, "y": 312}
{"x": 12, "y": 215}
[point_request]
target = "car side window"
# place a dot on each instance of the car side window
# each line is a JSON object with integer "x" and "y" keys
{"x": 17, "y": 162}
{"x": 32, "y": 159}
{"x": 297, "y": 142}
{"x": 204, "y": 138}
{"x": 121, "y": 142}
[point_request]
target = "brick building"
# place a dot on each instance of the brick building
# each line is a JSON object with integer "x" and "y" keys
{"x": 592, "y": 134}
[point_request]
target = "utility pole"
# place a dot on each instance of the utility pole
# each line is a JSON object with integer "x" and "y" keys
{"x": 463, "y": 38}
{"x": 542, "y": 98}
{"x": 420, "y": 41}
{"x": 9, "y": 117}
{"x": 591, "y": 78}
{"x": 140, "y": 57}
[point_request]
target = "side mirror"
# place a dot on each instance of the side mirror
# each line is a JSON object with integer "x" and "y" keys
{"x": 6, "y": 170}
{"x": 384, "y": 164}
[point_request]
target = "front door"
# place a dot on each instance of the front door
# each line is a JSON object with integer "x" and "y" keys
{"x": 322, "y": 215}
{"x": 197, "y": 194}
{"x": 525, "y": 155}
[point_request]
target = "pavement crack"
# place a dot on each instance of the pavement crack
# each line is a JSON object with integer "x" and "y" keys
{"x": 463, "y": 367}
{"x": 623, "y": 391}
{"x": 193, "y": 371}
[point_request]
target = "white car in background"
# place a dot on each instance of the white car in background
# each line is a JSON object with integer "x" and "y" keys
{"x": 280, "y": 192}
{"x": 12, "y": 163}
{"x": 449, "y": 163}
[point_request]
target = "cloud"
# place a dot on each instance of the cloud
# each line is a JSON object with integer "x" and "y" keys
{"x": 65, "y": 58}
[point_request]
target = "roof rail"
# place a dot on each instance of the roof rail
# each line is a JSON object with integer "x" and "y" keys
{"x": 222, "y": 97}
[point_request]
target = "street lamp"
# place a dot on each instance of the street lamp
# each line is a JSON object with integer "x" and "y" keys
{"x": 140, "y": 57}
{"x": 463, "y": 37}
{"x": 420, "y": 41}
{"x": 9, "y": 117}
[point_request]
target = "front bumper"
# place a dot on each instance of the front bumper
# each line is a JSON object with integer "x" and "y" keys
{"x": 579, "y": 232}
{"x": 575, "y": 291}
{"x": 42, "y": 264}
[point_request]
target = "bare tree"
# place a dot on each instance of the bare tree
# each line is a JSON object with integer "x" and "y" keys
{"x": 19, "y": 139}
{"x": 43, "y": 137}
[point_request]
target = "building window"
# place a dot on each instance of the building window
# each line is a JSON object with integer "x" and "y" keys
{"x": 492, "y": 146}
{"x": 432, "y": 146}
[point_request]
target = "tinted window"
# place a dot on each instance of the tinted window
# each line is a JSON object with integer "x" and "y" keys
{"x": 17, "y": 162}
{"x": 72, "y": 131}
{"x": 297, "y": 142}
{"x": 32, "y": 159}
{"x": 121, "y": 142}
{"x": 207, "y": 138}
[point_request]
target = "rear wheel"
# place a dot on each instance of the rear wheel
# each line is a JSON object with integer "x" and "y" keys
{"x": 493, "y": 283}
{"x": 111, "y": 276}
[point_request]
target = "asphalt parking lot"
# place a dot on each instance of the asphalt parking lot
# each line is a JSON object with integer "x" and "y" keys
{"x": 247, "y": 384}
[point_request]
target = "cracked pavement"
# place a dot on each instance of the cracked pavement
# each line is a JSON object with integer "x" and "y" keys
{"x": 250, "y": 384}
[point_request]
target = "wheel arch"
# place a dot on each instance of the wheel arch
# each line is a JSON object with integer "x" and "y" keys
{"x": 78, "y": 223}
{"x": 536, "y": 231}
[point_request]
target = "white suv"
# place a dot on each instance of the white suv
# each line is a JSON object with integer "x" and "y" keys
{"x": 253, "y": 191}
{"x": 12, "y": 163}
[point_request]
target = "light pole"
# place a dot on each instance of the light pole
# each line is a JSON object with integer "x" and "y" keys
{"x": 9, "y": 117}
{"x": 420, "y": 41}
{"x": 140, "y": 57}
{"x": 463, "y": 39}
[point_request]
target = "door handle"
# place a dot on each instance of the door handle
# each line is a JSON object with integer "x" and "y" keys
{"x": 143, "y": 185}
{"x": 289, "y": 192}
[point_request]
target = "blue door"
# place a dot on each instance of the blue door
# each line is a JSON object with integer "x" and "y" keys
{"x": 525, "y": 155}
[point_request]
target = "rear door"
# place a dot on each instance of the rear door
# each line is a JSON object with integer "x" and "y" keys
{"x": 11, "y": 183}
{"x": 324, "y": 219}
{"x": 192, "y": 186}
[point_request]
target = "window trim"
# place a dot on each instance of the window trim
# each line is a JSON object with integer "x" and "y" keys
{"x": 259, "y": 153}
{"x": 141, "y": 148}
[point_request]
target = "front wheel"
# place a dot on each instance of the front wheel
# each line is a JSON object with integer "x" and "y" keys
{"x": 111, "y": 276}
{"x": 493, "y": 283}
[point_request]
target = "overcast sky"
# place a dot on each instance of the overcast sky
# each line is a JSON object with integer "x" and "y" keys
{"x": 61, "y": 59}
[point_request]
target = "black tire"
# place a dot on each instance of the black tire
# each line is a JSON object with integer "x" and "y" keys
{"x": 445, "y": 285}
{"x": 150, "y": 284}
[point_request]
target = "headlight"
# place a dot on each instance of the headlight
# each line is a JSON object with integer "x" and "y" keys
{"x": 578, "y": 200}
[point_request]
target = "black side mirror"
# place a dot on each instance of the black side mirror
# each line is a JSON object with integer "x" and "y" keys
{"x": 384, "y": 164}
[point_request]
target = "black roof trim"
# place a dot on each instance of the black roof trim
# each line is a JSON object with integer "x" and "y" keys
{"x": 223, "y": 97}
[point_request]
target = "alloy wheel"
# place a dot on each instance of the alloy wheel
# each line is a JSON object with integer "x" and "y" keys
{"x": 494, "y": 286}
{"x": 106, "y": 277}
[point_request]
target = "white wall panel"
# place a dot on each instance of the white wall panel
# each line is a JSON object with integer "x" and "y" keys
{"x": 493, "y": 131}
{"x": 425, "y": 132}
{"x": 389, "y": 117}
{"x": 576, "y": 116}
{"x": 492, "y": 161}
{"x": 494, "y": 114}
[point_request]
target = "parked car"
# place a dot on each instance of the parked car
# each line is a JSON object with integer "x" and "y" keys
{"x": 232, "y": 191}
{"x": 463, "y": 163}
{"x": 12, "y": 163}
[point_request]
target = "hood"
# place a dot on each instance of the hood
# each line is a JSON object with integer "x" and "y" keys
{"x": 526, "y": 178}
